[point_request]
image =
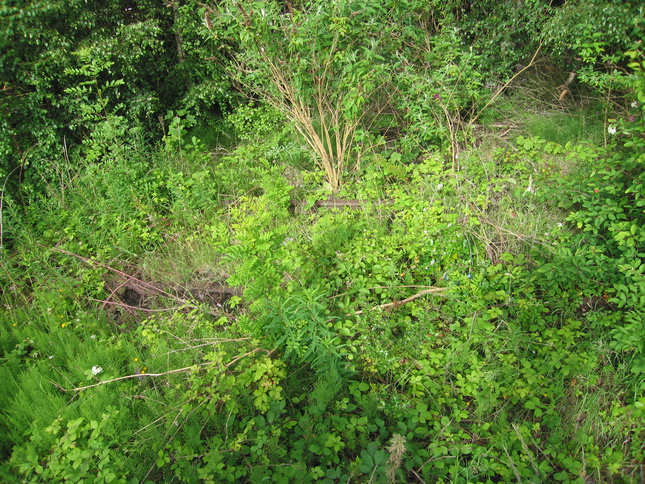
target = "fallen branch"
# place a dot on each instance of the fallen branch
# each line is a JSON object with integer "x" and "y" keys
{"x": 503, "y": 88}
{"x": 381, "y": 287}
{"x": 136, "y": 375}
{"x": 170, "y": 372}
{"x": 433, "y": 290}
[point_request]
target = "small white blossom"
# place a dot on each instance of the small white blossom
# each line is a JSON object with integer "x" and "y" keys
{"x": 93, "y": 336}
{"x": 96, "y": 370}
{"x": 51, "y": 357}
{"x": 560, "y": 224}
{"x": 634, "y": 104}
{"x": 612, "y": 130}
{"x": 440, "y": 186}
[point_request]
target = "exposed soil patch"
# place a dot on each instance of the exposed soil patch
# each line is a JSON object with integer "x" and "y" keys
{"x": 132, "y": 293}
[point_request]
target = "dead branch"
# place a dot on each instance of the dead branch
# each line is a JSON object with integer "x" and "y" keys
{"x": 170, "y": 372}
{"x": 503, "y": 88}
{"x": 433, "y": 290}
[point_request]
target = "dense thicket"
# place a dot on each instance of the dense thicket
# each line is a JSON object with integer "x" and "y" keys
{"x": 314, "y": 241}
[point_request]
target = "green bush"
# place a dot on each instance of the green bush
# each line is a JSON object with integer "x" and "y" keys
{"x": 174, "y": 312}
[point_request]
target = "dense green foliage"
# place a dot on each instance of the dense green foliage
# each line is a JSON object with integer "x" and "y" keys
{"x": 318, "y": 241}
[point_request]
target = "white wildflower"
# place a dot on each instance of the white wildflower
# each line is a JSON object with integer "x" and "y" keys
{"x": 634, "y": 104}
{"x": 612, "y": 130}
{"x": 96, "y": 370}
{"x": 93, "y": 336}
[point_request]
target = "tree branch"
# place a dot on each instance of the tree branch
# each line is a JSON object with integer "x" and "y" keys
{"x": 501, "y": 89}
{"x": 433, "y": 290}
{"x": 145, "y": 375}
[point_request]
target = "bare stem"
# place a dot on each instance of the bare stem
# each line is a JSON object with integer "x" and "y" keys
{"x": 433, "y": 290}
{"x": 170, "y": 372}
{"x": 503, "y": 88}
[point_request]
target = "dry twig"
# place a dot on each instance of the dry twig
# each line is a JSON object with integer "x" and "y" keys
{"x": 170, "y": 372}
{"x": 433, "y": 290}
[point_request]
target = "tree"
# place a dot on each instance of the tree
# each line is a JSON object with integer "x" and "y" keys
{"x": 322, "y": 64}
{"x": 138, "y": 43}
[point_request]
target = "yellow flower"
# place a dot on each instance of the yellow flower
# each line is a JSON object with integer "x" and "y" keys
{"x": 136, "y": 359}
{"x": 63, "y": 325}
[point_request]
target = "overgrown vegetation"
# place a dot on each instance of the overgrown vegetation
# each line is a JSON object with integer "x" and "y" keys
{"x": 322, "y": 242}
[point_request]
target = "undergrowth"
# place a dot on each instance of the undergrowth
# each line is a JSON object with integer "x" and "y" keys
{"x": 175, "y": 314}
